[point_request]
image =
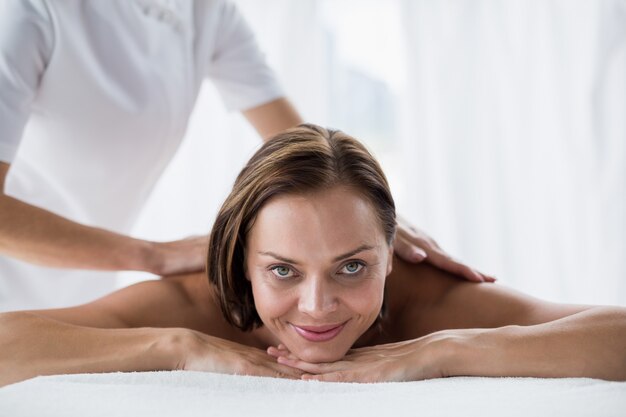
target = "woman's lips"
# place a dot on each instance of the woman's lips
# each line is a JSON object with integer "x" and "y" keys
{"x": 319, "y": 333}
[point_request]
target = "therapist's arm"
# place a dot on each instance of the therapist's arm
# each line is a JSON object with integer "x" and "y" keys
{"x": 273, "y": 117}
{"x": 37, "y": 236}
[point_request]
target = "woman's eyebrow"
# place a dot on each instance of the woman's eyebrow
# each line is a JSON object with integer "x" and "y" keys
{"x": 335, "y": 259}
{"x": 280, "y": 258}
{"x": 354, "y": 252}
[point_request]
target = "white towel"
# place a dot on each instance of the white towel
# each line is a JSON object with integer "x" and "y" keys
{"x": 155, "y": 394}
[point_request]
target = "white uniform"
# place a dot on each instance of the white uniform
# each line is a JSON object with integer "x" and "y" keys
{"x": 94, "y": 100}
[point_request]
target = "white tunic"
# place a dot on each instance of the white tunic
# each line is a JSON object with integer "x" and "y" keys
{"x": 94, "y": 100}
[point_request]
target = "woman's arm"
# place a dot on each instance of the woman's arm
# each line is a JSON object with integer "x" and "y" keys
{"x": 513, "y": 334}
{"x": 137, "y": 328}
{"x": 32, "y": 345}
{"x": 154, "y": 325}
{"x": 590, "y": 344}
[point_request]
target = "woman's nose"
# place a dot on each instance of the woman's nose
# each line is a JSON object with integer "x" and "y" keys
{"x": 317, "y": 297}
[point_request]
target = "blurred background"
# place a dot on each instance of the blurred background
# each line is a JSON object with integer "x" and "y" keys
{"x": 500, "y": 124}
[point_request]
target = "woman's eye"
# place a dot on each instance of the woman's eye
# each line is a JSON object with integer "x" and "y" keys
{"x": 282, "y": 271}
{"x": 352, "y": 268}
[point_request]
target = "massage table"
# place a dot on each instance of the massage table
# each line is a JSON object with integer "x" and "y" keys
{"x": 181, "y": 394}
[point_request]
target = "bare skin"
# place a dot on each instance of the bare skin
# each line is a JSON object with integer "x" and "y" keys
{"x": 437, "y": 324}
{"x": 436, "y": 302}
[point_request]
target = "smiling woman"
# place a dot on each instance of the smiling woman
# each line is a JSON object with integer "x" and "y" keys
{"x": 317, "y": 221}
{"x": 302, "y": 283}
{"x": 307, "y": 293}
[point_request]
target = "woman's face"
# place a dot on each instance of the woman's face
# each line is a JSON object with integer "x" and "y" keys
{"x": 317, "y": 263}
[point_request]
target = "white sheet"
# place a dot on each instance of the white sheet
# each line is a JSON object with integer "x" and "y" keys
{"x": 156, "y": 394}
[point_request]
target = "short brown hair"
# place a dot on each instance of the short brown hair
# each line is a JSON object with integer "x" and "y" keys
{"x": 303, "y": 159}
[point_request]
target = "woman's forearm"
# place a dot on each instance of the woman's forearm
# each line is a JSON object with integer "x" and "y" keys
{"x": 590, "y": 344}
{"x": 31, "y": 345}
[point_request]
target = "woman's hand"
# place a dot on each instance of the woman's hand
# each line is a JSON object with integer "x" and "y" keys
{"x": 414, "y": 245}
{"x": 409, "y": 360}
{"x": 201, "y": 352}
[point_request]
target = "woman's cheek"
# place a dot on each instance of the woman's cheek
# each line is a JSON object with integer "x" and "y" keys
{"x": 367, "y": 298}
{"x": 270, "y": 301}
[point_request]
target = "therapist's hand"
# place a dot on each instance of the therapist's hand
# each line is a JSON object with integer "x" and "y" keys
{"x": 415, "y": 246}
{"x": 179, "y": 256}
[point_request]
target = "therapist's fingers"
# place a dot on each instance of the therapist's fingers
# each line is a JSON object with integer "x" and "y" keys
{"x": 408, "y": 251}
{"x": 408, "y": 239}
{"x": 443, "y": 261}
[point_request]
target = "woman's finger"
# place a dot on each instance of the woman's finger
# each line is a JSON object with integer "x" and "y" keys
{"x": 331, "y": 377}
{"x": 278, "y": 373}
{"x": 275, "y": 352}
{"x": 287, "y": 372}
{"x": 278, "y": 370}
{"x": 311, "y": 368}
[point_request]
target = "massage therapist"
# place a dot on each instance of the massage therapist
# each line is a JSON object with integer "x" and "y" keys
{"x": 95, "y": 99}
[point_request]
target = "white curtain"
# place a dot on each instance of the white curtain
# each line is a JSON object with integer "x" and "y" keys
{"x": 500, "y": 124}
{"x": 515, "y": 132}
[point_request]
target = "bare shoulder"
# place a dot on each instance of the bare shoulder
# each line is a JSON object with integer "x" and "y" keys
{"x": 427, "y": 299}
{"x": 4, "y": 169}
{"x": 181, "y": 301}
